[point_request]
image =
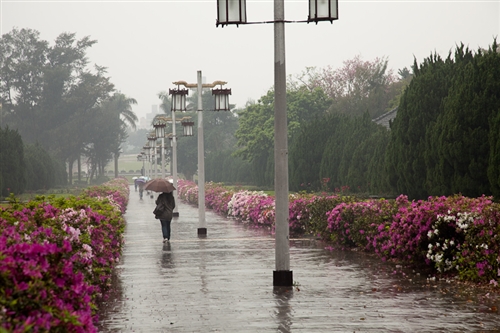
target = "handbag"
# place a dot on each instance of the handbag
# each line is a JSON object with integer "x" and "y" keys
{"x": 159, "y": 209}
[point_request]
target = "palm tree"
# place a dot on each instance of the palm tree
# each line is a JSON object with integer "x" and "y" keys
{"x": 165, "y": 102}
{"x": 121, "y": 106}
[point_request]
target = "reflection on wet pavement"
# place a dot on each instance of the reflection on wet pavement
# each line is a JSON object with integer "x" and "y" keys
{"x": 223, "y": 283}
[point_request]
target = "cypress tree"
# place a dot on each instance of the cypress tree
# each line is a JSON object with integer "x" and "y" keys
{"x": 306, "y": 152}
{"x": 461, "y": 135}
{"x": 40, "y": 171}
{"x": 12, "y": 167}
{"x": 376, "y": 176}
{"x": 420, "y": 105}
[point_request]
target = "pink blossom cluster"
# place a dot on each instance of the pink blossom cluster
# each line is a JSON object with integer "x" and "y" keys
{"x": 188, "y": 191}
{"x": 56, "y": 259}
{"x": 217, "y": 197}
{"x": 454, "y": 235}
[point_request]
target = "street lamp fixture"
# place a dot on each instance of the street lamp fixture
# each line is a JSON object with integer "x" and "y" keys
{"x": 323, "y": 10}
{"x": 234, "y": 12}
{"x": 199, "y": 85}
{"x": 231, "y": 12}
{"x": 147, "y": 155}
{"x": 170, "y": 138}
{"x": 152, "y": 145}
{"x": 159, "y": 124}
{"x": 188, "y": 127}
{"x": 221, "y": 99}
{"x": 178, "y": 102}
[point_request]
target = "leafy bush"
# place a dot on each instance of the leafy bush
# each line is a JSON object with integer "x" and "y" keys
{"x": 56, "y": 258}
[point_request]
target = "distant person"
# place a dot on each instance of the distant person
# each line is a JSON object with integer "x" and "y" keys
{"x": 165, "y": 204}
{"x": 135, "y": 184}
{"x": 141, "y": 189}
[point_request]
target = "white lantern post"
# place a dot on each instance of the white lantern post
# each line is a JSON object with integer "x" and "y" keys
{"x": 234, "y": 12}
{"x": 159, "y": 124}
{"x": 199, "y": 85}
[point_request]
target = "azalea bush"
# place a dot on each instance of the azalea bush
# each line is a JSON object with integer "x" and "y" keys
{"x": 187, "y": 190}
{"x": 57, "y": 256}
{"x": 217, "y": 197}
{"x": 452, "y": 235}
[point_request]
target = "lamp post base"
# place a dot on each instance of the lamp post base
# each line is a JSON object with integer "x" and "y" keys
{"x": 282, "y": 278}
{"x": 202, "y": 232}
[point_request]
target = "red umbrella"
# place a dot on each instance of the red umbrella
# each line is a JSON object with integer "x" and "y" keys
{"x": 159, "y": 185}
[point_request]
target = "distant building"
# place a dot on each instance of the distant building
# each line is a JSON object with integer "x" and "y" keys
{"x": 145, "y": 122}
{"x": 386, "y": 118}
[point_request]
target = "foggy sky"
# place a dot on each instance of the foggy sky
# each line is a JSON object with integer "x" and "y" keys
{"x": 147, "y": 45}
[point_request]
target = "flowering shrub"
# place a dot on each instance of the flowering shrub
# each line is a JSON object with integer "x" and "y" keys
{"x": 465, "y": 240}
{"x": 359, "y": 224}
{"x": 252, "y": 206}
{"x": 217, "y": 197}
{"x": 187, "y": 190}
{"x": 453, "y": 235}
{"x": 318, "y": 207}
{"x": 299, "y": 213}
{"x": 56, "y": 258}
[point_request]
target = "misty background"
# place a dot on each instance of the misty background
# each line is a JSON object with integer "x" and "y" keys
{"x": 147, "y": 45}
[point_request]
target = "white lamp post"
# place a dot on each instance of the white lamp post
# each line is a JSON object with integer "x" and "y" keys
{"x": 146, "y": 158}
{"x": 159, "y": 124}
{"x": 199, "y": 85}
{"x": 147, "y": 172}
{"x": 234, "y": 12}
{"x": 178, "y": 103}
{"x": 152, "y": 144}
{"x": 173, "y": 144}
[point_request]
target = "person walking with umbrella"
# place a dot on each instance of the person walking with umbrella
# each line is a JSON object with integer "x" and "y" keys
{"x": 141, "y": 181}
{"x": 167, "y": 201}
{"x": 165, "y": 204}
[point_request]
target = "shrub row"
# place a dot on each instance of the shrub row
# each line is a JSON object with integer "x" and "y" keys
{"x": 57, "y": 256}
{"x": 456, "y": 235}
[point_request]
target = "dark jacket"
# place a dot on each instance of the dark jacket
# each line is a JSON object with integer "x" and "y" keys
{"x": 168, "y": 203}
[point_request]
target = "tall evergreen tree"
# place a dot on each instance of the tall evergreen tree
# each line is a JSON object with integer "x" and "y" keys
{"x": 460, "y": 134}
{"x": 420, "y": 105}
{"x": 306, "y": 152}
{"x": 12, "y": 166}
{"x": 40, "y": 171}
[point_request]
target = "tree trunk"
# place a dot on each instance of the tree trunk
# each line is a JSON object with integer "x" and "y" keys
{"x": 116, "y": 156}
{"x": 79, "y": 163}
{"x": 70, "y": 172}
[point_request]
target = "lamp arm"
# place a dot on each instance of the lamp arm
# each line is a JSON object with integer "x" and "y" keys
{"x": 195, "y": 85}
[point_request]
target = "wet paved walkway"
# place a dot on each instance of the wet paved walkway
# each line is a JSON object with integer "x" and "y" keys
{"x": 223, "y": 283}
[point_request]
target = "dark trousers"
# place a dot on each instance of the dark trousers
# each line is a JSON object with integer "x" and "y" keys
{"x": 165, "y": 228}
